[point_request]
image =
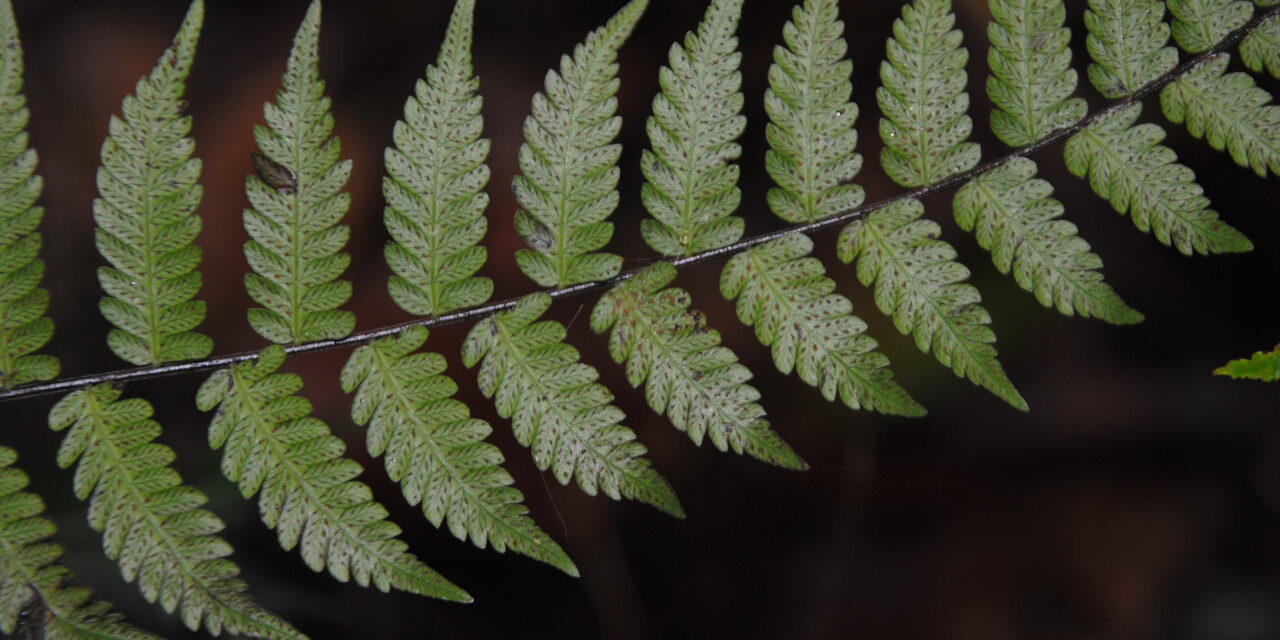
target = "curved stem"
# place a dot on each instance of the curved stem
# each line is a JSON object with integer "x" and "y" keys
{"x": 356, "y": 339}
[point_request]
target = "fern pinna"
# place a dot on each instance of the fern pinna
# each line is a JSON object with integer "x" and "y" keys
{"x": 436, "y": 216}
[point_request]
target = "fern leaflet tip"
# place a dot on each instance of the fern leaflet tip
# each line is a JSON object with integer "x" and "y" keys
{"x": 145, "y": 216}
{"x": 925, "y": 126}
{"x": 569, "y": 164}
{"x": 811, "y": 118}
{"x": 785, "y": 294}
{"x": 437, "y": 452}
{"x": 1016, "y": 218}
{"x": 275, "y": 449}
{"x": 436, "y": 174}
{"x": 1126, "y": 164}
{"x": 295, "y": 239}
{"x": 691, "y": 187}
{"x": 151, "y": 523}
{"x": 557, "y": 408}
{"x": 919, "y": 283}
{"x": 688, "y": 375}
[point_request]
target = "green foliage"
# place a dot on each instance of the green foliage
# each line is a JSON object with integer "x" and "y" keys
{"x": 436, "y": 451}
{"x": 1200, "y": 24}
{"x": 568, "y": 164}
{"x": 1127, "y": 165}
{"x": 24, "y": 328}
{"x": 295, "y": 246}
{"x": 152, "y": 524}
{"x": 691, "y": 186}
{"x": 1228, "y": 110}
{"x": 811, "y": 136}
{"x": 306, "y": 490}
{"x": 687, "y": 374}
{"x": 435, "y": 185}
{"x": 919, "y": 283}
{"x": 791, "y": 302}
{"x": 146, "y": 215}
{"x": 558, "y": 409}
{"x": 1127, "y": 41}
{"x": 1261, "y": 49}
{"x": 36, "y": 599}
{"x": 1018, "y": 221}
{"x": 1031, "y": 80}
{"x": 925, "y": 127}
{"x": 1264, "y": 366}
{"x": 274, "y": 449}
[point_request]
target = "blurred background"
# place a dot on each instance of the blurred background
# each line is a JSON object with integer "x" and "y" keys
{"x": 1138, "y": 498}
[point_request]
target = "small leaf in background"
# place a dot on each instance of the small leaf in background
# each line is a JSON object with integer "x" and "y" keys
{"x": 1264, "y": 366}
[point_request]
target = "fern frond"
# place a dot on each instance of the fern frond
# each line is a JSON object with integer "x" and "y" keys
{"x": 151, "y": 523}
{"x": 1264, "y": 366}
{"x": 24, "y": 327}
{"x": 36, "y": 597}
{"x": 306, "y": 490}
{"x": 558, "y": 409}
{"x": 1017, "y": 220}
{"x": 1228, "y": 110}
{"x": 145, "y": 215}
{"x": 435, "y": 184}
{"x": 691, "y": 183}
{"x": 919, "y": 283}
{"x": 811, "y": 136}
{"x": 436, "y": 451}
{"x": 1200, "y": 24}
{"x": 925, "y": 127}
{"x": 569, "y": 164}
{"x": 1127, "y": 165}
{"x": 1127, "y": 41}
{"x": 1261, "y": 49}
{"x": 687, "y": 375}
{"x": 786, "y": 295}
{"x": 295, "y": 246}
{"x": 1031, "y": 81}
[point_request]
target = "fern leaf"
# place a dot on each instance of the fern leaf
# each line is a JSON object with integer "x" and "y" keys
{"x": 1261, "y": 49}
{"x": 1017, "y": 220}
{"x": 919, "y": 283}
{"x": 691, "y": 186}
{"x": 569, "y": 165}
{"x": 151, "y": 523}
{"x": 1264, "y": 366}
{"x": 687, "y": 375}
{"x": 1200, "y": 24}
{"x": 36, "y": 597}
{"x": 145, "y": 216}
{"x": 435, "y": 185}
{"x": 558, "y": 409}
{"x": 24, "y": 327}
{"x": 1031, "y": 80}
{"x": 811, "y": 136}
{"x": 925, "y": 127}
{"x": 1230, "y": 111}
{"x": 436, "y": 451}
{"x": 306, "y": 490}
{"x": 295, "y": 246}
{"x": 1127, "y": 41}
{"x": 787, "y": 296}
{"x": 1127, "y": 165}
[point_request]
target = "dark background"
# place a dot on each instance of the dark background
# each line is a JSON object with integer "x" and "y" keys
{"x": 1137, "y": 499}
